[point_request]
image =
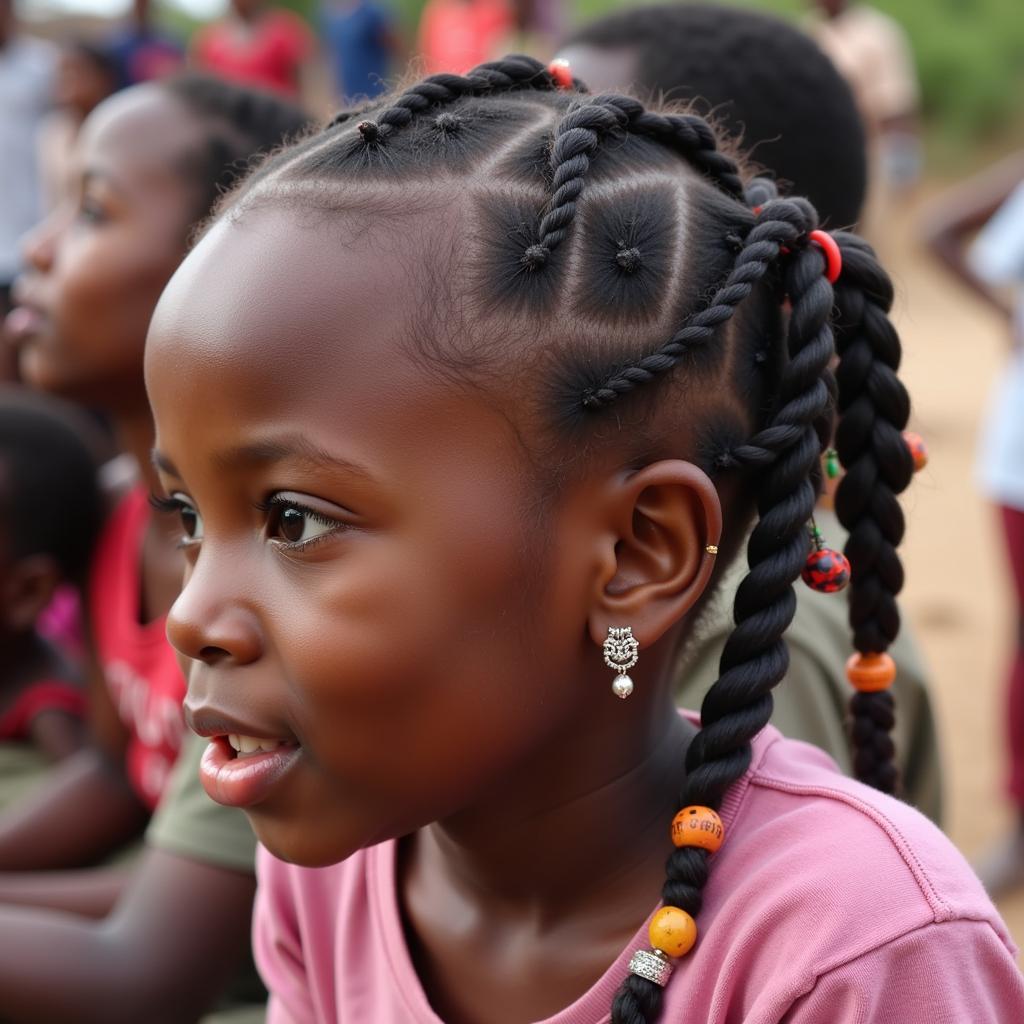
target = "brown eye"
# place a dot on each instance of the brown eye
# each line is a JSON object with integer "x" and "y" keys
{"x": 292, "y": 524}
{"x": 296, "y": 525}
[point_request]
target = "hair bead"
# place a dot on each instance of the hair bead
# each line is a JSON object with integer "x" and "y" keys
{"x": 672, "y": 931}
{"x": 918, "y": 449}
{"x": 698, "y": 826}
{"x": 870, "y": 673}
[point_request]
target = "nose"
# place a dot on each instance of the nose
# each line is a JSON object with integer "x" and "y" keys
{"x": 210, "y": 623}
{"x": 39, "y": 244}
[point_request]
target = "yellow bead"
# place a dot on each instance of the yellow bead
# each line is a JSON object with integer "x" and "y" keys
{"x": 672, "y": 931}
{"x": 698, "y": 826}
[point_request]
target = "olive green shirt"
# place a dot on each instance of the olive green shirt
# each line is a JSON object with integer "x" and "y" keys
{"x": 812, "y": 702}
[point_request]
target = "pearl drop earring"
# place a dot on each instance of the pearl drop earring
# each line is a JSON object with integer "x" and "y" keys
{"x": 621, "y": 652}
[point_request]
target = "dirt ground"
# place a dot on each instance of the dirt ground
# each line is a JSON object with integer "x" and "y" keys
{"x": 958, "y": 593}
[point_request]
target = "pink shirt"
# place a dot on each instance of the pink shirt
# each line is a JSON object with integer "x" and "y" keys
{"x": 827, "y": 904}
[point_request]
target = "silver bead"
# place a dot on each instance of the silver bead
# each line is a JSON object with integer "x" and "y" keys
{"x": 622, "y": 686}
{"x": 652, "y": 965}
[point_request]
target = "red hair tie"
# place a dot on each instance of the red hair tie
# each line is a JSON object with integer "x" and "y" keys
{"x": 830, "y": 250}
{"x": 559, "y": 70}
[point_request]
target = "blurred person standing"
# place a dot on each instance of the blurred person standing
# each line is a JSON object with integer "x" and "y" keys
{"x": 977, "y": 232}
{"x": 141, "y": 51}
{"x": 361, "y": 41}
{"x": 86, "y": 75}
{"x": 872, "y": 51}
{"x": 256, "y": 45}
{"x": 456, "y": 35}
{"x": 27, "y": 69}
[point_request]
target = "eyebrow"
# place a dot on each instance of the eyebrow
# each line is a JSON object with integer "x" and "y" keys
{"x": 290, "y": 448}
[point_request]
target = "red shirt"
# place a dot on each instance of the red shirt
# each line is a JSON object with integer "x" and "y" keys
{"x": 36, "y": 699}
{"x": 267, "y": 53}
{"x": 138, "y": 663}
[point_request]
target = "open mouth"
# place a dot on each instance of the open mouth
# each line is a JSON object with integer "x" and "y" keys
{"x": 246, "y": 746}
{"x": 242, "y": 771}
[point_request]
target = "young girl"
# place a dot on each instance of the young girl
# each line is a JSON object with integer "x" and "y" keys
{"x": 463, "y": 406}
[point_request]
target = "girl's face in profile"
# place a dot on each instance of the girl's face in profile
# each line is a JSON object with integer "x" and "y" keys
{"x": 97, "y": 264}
{"x": 367, "y": 592}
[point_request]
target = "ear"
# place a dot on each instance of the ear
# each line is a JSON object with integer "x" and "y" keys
{"x": 665, "y": 517}
{"x": 28, "y": 587}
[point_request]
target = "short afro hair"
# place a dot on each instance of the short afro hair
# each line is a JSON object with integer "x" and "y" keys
{"x": 762, "y": 80}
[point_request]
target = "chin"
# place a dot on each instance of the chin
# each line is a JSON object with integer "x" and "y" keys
{"x": 299, "y": 843}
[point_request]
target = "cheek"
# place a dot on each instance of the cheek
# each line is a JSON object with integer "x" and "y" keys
{"x": 423, "y": 677}
{"x": 106, "y": 290}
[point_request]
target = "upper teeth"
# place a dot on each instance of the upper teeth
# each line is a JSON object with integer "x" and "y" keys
{"x": 251, "y": 744}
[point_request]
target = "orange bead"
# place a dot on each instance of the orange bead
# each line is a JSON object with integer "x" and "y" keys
{"x": 918, "y": 449}
{"x": 870, "y": 673}
{"x": 698, "y": 826}
{"x": 672, "y": 931}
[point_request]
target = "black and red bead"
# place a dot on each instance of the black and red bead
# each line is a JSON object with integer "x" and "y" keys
{"x": 826, "y": 570}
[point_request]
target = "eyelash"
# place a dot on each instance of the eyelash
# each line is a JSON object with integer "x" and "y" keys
{"x": 170, "y": 507}
{"x": 276, "y": 503}
{"x": 174, "y": 506}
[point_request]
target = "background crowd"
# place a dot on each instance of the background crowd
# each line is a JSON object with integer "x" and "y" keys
{"x": 938, "y": 130}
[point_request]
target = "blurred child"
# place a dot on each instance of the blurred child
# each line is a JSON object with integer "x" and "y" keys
{"x": 770, "y": 86}
{"x": 150, "y": 162}
{"x": 256, "y": 44}
{"x": 49, "y": 515}
{"x": 463, "y": 406}
{"x": 977, "y": 231}
{"x": 141, "y": 50}
{"x": 361, "y": 40}
{"x": 86, "y": 75}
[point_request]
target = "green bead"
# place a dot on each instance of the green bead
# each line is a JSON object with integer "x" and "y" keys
{"x": 831, "y": 464}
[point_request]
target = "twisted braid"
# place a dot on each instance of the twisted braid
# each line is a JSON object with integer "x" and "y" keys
{"x": 781, "y": 223}
{"x": 755, "y": 657}
{"x": 687, "y": 134}
{"x": 577, "y": 137}
{"x": 873, "y": 410}
{"x": 514, "y": 72}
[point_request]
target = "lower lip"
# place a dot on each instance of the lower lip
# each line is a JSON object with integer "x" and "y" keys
{"x": 22, "y": 323}
{"x": 243, "y": 781}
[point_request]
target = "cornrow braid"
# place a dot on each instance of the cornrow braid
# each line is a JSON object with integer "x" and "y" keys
{"x": 873, "y": 410}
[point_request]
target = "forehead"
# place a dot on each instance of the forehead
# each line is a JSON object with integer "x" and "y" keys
{"x": 302, "y": 321}
{"x": 143, "y": 129}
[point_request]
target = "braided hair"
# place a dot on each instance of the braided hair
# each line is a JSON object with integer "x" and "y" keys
{"x": 665, "y": 272}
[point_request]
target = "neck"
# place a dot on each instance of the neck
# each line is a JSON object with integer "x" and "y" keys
{"x": 589, "y": 816}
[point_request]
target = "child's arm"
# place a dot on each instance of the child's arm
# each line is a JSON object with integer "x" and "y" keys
{"x": 958, "y": 214}
{"x": 56, "y": 734}
{"x": 83, "y": 810}
{"x": 90, "y": 892}
{"x": 163, "y": 956}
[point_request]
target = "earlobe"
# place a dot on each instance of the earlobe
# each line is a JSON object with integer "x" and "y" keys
{"x": 668, "y": 526}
